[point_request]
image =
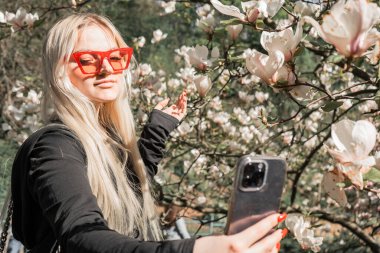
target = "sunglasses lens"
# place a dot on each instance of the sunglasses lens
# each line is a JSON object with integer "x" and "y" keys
{"x": 89, "y": 62}
{"x": 119, "y": 59}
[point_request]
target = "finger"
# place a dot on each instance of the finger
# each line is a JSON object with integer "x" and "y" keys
{"x": 182, "y": 96}
{"x": 268, "y": 243}
{"x": 162, "y": 104}
{"x": 257, "y": 231}
{"x": 184, "y": 104}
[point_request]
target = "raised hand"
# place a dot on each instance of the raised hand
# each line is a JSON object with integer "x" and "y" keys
{"x": 177, "y": 110}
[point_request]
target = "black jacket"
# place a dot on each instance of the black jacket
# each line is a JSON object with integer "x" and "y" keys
{"x": 53, "y": 199}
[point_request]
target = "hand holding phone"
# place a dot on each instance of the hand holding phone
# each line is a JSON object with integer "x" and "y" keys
{"x": 257, "y": 190}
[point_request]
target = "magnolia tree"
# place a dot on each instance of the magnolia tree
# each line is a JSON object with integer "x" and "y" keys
{"x": 299, "y": 80}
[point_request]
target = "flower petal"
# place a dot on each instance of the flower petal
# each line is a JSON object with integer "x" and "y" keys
{"x": 329, "y": 183}
{"x": 364, "y": 136}
{"x": 229, "y": 10}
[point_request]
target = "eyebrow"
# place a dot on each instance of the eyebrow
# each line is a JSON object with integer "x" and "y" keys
{"x": 88, "y": 50}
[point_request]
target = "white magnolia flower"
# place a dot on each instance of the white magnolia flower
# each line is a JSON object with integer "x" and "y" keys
{"x": 201, "y": 200}
{"x": 203, "y": 10}
{"x": 216, "y": 104}
{"x": 6, "y": 127}
{"x": 261, "y": 97}
{"x": 20, "y": 19}
{"x": 265, "y": 66}
{"x": 234, "y": 30}
{"x": 307, "y": 9}
{"x": 184, "y": 129}
{"x": 30, "y": 19}
{"x": 353, "y": 141}
{"x": 186, "y": 74}
{"x": 304, "y": 235}
{"x": 158, "y": 35}
{"x": 243, "y": 96}
{"x": 139, "y": 41}
{"x": 206, "y": 23}
{"x": 252, "y": 9}
{"x": 17, "y": 114}
{"x": 2, "y": 17}
{"x": 203, "y": 84}
{"x": 287, "y": 137}
{"x": 168, "y": 7}
{"x": 220, "y": 118}
{"x": 241, "y": 115}
{"x": 145, "y": 69}
{"x": 198, "y": 56}
{"x": 284, "y": 41}
{"x": 246, "y": 134}
{"x": 348, "y": 26}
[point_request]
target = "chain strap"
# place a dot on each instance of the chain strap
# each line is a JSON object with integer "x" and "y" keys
{"x": 4, "y": 233}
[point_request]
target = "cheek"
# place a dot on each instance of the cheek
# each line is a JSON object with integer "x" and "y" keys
{"x": 76, "y": 77}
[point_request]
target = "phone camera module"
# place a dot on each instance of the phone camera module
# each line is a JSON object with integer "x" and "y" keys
{"x": 253, "y": 175}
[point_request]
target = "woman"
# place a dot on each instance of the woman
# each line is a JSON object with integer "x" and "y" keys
{"x": 83, "y": 182}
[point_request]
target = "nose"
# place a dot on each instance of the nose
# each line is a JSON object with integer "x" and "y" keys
{"x": 106, "y": 66}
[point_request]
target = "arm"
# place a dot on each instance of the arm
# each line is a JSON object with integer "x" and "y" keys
{"x": 153, "y": 137}
{"x": 59, "y": 184}
{"x": 155, "y": 133}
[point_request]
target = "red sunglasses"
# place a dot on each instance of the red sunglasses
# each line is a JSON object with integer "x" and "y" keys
{"x": 90, "y": 62}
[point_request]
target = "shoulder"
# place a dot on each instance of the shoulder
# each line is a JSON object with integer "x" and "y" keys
{"x": 53, "y": 138}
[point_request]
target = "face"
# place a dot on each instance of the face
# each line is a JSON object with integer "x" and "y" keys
{"x": 105, "y": 86}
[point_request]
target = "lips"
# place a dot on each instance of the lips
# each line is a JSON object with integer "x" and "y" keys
{"x": 104, "y": 82}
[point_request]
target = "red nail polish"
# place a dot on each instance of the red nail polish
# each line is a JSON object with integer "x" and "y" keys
{"x": 284, "y": 232}
{"x": 282, "y": 217}
{"x": 278, "y": 246}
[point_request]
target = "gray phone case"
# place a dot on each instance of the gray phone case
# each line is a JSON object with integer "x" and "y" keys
{"x": 249, "y": 205}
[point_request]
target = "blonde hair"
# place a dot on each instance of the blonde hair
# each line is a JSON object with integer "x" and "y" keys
{"x": 103, "y": 132}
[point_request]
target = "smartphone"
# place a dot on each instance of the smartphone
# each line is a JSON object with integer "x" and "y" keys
{"x": 258, "y": 185}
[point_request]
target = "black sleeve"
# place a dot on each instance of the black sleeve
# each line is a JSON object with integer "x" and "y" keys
{"x": 153, "y": 137}
{"x": 59, "y": 184}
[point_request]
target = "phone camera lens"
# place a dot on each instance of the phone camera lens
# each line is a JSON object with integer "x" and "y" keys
{"x": 253, "y": 175}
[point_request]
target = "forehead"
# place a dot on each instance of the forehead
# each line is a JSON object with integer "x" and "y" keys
{"x": 94, "y": 38}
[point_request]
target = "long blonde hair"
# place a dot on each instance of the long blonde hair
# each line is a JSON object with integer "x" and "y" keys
{"x": 103, "y": 132}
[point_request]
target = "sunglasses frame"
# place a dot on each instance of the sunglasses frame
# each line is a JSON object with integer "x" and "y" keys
{"x": 103, "y": 55}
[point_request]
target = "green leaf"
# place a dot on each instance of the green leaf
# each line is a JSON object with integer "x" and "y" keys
{"x": 373, "y": 175}
{"x": 332, "y": 105}
{"x": 260, "y": 24}
{"x": 336, "y": 58}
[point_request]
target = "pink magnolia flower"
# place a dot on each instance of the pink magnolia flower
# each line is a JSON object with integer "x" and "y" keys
{"x": 198, "y": 56}
{"x": 284, "y": 41}
{"x": 348, "y": 26}
{"x": 353, "y": 141}
{"x": 265, "y": 66}
{"x": 168, "y": 7}
{"x": 203, "y": 84}
{"x": 252, "y": 9}
{"x": 234, "y": 30}
{"x": 158, "y": 35}
{"x": 301, "y": 230}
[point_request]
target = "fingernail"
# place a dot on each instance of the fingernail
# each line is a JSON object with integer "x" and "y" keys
{"x": 278, "y": 246}
{"x": 282, "y": 217}
{"x": 284, "y": 232}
